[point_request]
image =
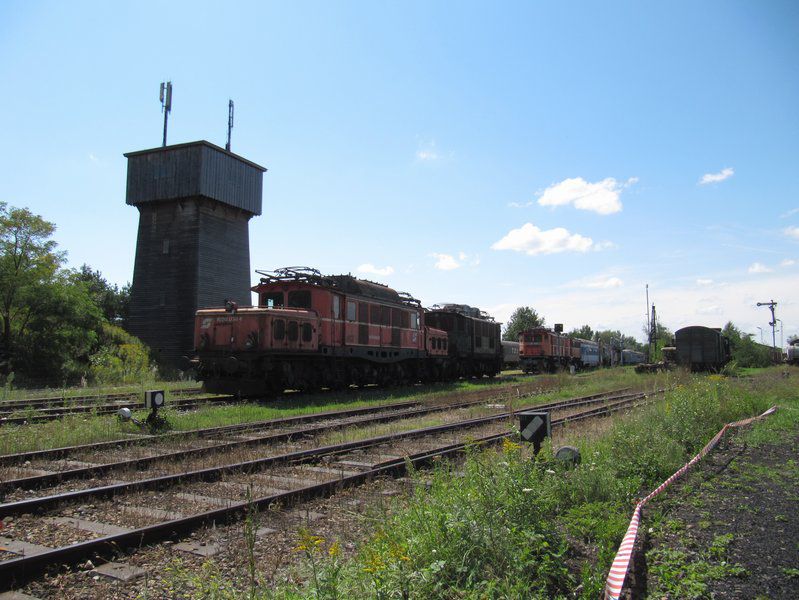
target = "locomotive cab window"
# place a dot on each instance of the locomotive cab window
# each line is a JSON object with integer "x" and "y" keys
{"x": 336, "y": 307}
{"x": 272, "y": 299}
{"x": 414, "y": 320}
{"x": 278, "y": 329}
{"x": 351, "y": 310}
{"x": 300, "y": 299}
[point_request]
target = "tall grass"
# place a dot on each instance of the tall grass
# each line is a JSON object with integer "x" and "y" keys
{"x": 508, "y": 526}
{"x": 86, "y": 428}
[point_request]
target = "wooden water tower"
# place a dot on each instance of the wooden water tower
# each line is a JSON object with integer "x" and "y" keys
{"x": 195, "y": 202}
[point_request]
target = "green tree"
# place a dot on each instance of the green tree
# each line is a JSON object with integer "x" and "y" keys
{"x": 523, "y": 318}
{"x": 61, "y": 332}
{"x": 28, "y": 263}
{"x": 112, "y": 300}
{"x": 744, "y": 350}
{"x": 663, "y": 337}
{"x": 617, "y": 339}
{"x": 584, "y": 333}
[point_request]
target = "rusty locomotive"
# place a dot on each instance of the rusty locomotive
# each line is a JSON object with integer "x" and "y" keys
{"x": 312, "y": 331}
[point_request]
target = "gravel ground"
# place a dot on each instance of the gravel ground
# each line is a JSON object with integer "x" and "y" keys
{"x": 731, "y": 524}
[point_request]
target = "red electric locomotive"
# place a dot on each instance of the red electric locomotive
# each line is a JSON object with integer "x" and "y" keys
{"x": 542, "y": 349}
{"x": 311, "y": 331}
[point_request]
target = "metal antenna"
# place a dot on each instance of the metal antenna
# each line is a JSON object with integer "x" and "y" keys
{"x": 229, "y": 123}
{"x": 166, "y": 103}
{"x": 773, "y": 322}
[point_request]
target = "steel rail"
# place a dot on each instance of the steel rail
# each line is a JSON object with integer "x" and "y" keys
{"x": 38, "y": 481}
{"x": 52, "y": 414}
{"x": 52, "y": 453}
{"x": 22, "y": 404}
{"x": 209, "y": 474}
{"x": 362, "y": 416}
{"x": 17, "y": 571}
{"x": 55, "y": 400}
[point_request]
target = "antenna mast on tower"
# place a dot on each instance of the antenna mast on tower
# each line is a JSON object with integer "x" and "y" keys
{"x": 229, "y": 123}
{"x": 166, "y": 103}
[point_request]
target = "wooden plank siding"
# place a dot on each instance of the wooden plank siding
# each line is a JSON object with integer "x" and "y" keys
{"x": 192, "y": 251}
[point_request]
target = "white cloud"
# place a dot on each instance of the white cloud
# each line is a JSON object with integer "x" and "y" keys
{"x": 601, "y": 283}
{"x": 532, "y": 241}
{"x": 788, "y": 262}
{"x": 677, "y": 306}
{"x": 713, "y": 309}
{"x": 725, "y": 173}
{"x": 759, "y": 268}
{"x": 445, "y": 262}
{"x": 601, "y": 197}
{"x": 93, "y": 158}
{"x": 790, "y": 213}
{"x": 427, "y": 152}
{"x": 704, "y": 282}
{"x": 792, "y": 232}
{"x": 373, "y": 270}
{"x": 448, "y": 262}
{"x": 520, "y": 205}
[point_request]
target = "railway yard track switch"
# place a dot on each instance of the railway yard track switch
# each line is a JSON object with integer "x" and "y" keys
{"x": 535, "y": 427}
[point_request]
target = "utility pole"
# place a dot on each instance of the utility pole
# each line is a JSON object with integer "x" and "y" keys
{"x": 771, "y": 305}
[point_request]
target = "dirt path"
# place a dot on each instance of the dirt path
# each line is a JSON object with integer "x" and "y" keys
{"x": 730, "y": 529}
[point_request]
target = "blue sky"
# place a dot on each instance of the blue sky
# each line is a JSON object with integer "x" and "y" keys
{"x": 559, "y": 155}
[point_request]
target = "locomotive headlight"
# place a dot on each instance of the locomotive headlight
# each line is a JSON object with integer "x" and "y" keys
{"x": 252, "y": 340}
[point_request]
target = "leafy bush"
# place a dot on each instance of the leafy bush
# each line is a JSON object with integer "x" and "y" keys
{"x": 122, "y": 358}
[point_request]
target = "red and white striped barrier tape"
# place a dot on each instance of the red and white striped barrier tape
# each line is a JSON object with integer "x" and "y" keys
{"x": 618, "y": 570}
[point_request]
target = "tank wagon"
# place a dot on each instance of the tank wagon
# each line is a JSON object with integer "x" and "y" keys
{"x": 701, "y": 348}
{"x": 311, "y": 331}
{"x": 510, "y": 354}
{"x": 475, "y": 347}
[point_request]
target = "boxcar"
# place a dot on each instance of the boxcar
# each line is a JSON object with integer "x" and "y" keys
{"x": 475, "y": 347}
{"x": 701, "y": 348}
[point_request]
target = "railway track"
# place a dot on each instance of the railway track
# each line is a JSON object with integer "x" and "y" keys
{"x": 40, "y": 410}
{"x": 55, "y": 401}
{"x": 282, "y": 478}
{"x": 17, "y": 416}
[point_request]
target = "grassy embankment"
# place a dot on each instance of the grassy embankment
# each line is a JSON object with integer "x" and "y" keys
{"x": 86, "y": 428}
{"x": 506, "y": 526}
